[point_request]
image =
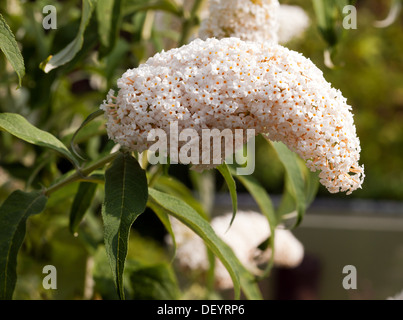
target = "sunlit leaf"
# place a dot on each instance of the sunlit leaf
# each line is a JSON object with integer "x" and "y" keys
{"x": 188, "y": 216}
{"x": 265, "y": 204}
{"x": 175, "y": 187}
{"x": 295, "y": 177}
{"x": 70, "y": 51}
{"x": 9, "y": 46}
{"x": 224, "y": 170}
{"x": 18, "y": 126}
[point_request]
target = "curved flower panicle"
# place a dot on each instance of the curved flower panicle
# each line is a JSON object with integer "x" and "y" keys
{"x": 250, "y": 20}
{"x": 232, "y": 84}
{"x": 247, "y": 232}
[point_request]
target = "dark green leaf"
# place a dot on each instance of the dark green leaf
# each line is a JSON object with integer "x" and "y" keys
{"x": 69, "y": 52}
{"x": 9, "y": 46}
{"x": 18, "y": 126}
{"x": 224, "y": 170}
{"x": 187, "y": 215}
{"x": 87, "y": 120}
{"x": 154, "y": 283}
{"x": 126, "y": 194}
{"x": 82, "y": 202}
{"x": 109, "y": 18}
{"x": 13, "y": 216}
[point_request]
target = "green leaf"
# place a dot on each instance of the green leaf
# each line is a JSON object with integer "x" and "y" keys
{"x": 163, "y": 5}
{"x": 87, "y": 120}
{"x": 224, "y": 170}
{"x": 126, "y": 194}
{"x": 82, "y": 202}
{"x": 154, "y": 283}
{"x": 9, "y": 46}
{"x": 69, "y": 52}
{"x": 204, "y": 184}
{"x": 13, "y": 216}
{"x": 295, "y": 177}
{"x": 329, "y": 19}
{"x": 164, "y": 218}
{"x": 265, "y": 205}
{"x": 109, "y": 20}
{"x": 187, "y": 215}
{"x": 176, "y": 188}
{"x": 18, "y": 126}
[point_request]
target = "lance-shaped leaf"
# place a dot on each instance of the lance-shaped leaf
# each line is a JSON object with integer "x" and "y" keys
{"x": 82, "y": 202}
{"x": 265, "y": 205}
{"x": 156, "y": 282}
{"x": 126, "y": 194}
{"x": 70, "y": 51}
{"x": 164, "y": 218}
{"x": 13, "y": 216}
{"x": 9, "y": 46}
{"x": 294, "y": 176}
{"x": 224, "y": 170}
{"x": 18, "y": 126}
{"x": 177, "y": 188}
{"x": 109, "y": 19}
{"x": 187, "y": 215}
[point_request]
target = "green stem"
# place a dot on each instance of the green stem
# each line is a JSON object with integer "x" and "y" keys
{"x": 190, "y": 22}
{"x": 78, "y": 175}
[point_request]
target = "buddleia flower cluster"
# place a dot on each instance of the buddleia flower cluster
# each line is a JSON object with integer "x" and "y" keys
{"x": 247, "y": 232}
{"x": 253, "y": 20}
{"x": 233, "y": 84}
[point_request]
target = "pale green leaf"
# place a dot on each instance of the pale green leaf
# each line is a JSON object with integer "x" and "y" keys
{"x": 18, "y": 126}
{"x": 224, "y": 170}
{"x": 9, "y": 46}
{"x": 295, "y": 178}
{"x": 265, "y": 204}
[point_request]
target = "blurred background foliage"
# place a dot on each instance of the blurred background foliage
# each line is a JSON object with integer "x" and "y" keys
{"x": 368, "y": 70}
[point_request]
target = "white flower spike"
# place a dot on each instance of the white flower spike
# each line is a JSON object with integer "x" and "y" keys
{"x": 233, "y": 84}
{"x": 249, "y": 20}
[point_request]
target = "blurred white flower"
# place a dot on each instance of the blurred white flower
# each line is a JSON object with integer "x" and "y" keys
{"x": 398, "y": 296}
{"x": 293, "y": 21}
{"x": 254, "y": 20}
{"x": 233, "y": 84}
{"x": 247, "y": 232}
